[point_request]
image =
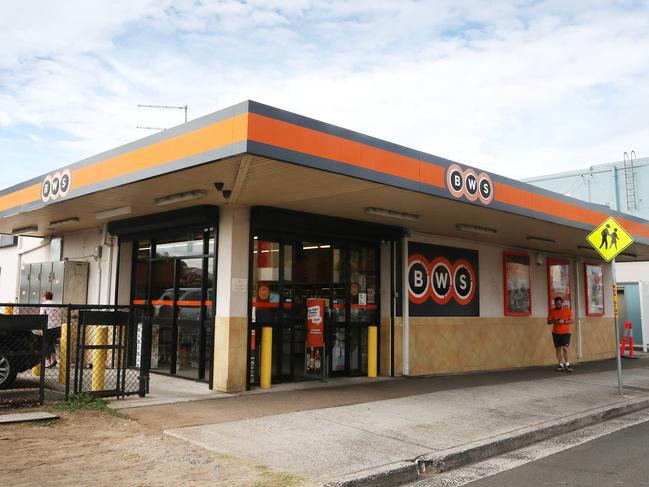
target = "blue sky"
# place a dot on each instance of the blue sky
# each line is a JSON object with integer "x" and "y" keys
{"x": 520, "y": 88}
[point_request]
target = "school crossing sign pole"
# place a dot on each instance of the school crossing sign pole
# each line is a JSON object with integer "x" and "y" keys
{"x": 609, "y": 239}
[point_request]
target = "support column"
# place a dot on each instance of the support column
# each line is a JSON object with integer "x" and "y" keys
{"x": 231, "y": 322}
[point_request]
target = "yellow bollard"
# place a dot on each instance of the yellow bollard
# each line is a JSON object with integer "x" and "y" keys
{"x": 36, "y": 369}
{"x": 266, "y": 357}
{"x": 372, "y": 346}
{"x": 63, "y": 354}
{"x": 99, "y": 359}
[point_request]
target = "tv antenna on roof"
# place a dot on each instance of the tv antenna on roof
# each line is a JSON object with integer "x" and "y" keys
{"x": 164, "y": 107}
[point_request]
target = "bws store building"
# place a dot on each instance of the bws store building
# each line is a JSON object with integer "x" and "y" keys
{"x": 255, "y": 217}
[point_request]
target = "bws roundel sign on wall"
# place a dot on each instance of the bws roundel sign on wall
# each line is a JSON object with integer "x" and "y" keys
{"x": 56, "y": 185}
{"x": 469, "y": 184}
{"x": 442, "y": 281}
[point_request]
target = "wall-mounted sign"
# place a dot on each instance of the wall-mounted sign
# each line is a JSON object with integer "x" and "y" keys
{"x": 56, "y": 185}
{"x": 559, "y": 280}
{"x": 517, "y": 284}
{"x": 442, "y": 281}
{"x": 594, "y": 290}
{"x": 469, "y": 184}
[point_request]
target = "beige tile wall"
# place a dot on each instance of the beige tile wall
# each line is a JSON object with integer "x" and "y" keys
{"x": 450, "y": 345}
{"x": 230, "y": 352}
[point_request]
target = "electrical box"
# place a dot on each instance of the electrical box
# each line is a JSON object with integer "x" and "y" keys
{"x": 67, "y": 280}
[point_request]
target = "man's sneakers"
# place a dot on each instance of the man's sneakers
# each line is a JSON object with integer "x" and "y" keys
{"x": 564, "y": 368}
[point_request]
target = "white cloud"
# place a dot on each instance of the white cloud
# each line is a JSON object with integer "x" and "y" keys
{"x": 517, "y": 88}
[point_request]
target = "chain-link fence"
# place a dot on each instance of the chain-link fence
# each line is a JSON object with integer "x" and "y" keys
{"x": 84, "y": 348}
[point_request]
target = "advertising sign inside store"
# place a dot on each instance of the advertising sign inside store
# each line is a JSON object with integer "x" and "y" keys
{"x": 442, "y": 281}
{"x": 314, "y": 334}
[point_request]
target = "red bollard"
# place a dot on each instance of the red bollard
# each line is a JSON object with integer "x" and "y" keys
{"x": 628, "y": 329}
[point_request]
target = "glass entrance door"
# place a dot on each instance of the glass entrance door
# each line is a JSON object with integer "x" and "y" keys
{"x": 176, "y": 276}
{"x": 319, "y": 298}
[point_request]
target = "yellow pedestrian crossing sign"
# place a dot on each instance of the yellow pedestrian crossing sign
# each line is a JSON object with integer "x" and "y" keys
{"x": 609, "y": 239}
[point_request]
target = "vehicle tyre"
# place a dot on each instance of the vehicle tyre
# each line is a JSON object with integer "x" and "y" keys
{"x": 7, "y": 371}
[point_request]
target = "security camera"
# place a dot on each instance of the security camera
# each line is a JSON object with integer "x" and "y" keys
{"x": 219, "y": 186}
{"x": 539, "y": 259}
{"x": 227, "y": 193}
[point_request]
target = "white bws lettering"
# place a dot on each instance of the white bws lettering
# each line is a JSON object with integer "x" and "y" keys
{"x": 56, "y": 185}
{"x": 469, "y": 184}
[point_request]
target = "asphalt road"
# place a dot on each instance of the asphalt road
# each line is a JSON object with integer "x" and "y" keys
{"x": 621, "y": 458}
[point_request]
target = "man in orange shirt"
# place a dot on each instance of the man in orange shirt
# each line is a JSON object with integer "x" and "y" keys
{"x": 561, "y": 318}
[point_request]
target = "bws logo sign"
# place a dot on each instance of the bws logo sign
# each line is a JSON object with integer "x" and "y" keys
{"x": 469, "y": 184}
{"x": 56, "y": 185}
{"x": 442, "y": 281}
{"x": 439, "y": 280}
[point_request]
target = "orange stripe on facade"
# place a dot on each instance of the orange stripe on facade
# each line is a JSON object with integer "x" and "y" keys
{"x": 169, "y": 302}
{"x": 20, "y": 197}
{"x": 308, "y": 141}
{"x": 550, "y": 206}
{"x": 202, "y": 140}
{"x": 208, "y": 138}
{"x": 294, "y": 137}
{"x": 263, "y": 129}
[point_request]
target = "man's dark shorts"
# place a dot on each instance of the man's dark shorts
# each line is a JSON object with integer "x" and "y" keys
{"x": 561, "y": 339}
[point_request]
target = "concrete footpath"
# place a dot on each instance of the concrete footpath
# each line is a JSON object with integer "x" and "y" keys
{"x": 433, "y": 424}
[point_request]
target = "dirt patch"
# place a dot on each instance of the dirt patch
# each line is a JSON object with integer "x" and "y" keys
{"x": 93, "y": 448}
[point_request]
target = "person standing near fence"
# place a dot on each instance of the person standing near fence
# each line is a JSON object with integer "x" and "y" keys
{"x": 53, "y": 331}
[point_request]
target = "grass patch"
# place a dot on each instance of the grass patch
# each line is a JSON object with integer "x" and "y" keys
{"x": 130, "y": 456}
{"x": 270, "y": 478}
{"x": 87, "y": 401}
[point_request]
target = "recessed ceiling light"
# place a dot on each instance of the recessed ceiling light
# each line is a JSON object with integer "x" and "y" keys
{"x": 541, "y": 239}
{"x": 465, "y": 227}
{"x": 28, "y": 229}
{"x": 391, "y": 214}
{"x": 178, "y": 197}
{"x": 113, "y": 212}
{"x": 72, "y": 219}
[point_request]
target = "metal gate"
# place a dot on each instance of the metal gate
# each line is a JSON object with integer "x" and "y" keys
{"x": 101, "y": 352}
{"x": 96, "y": 349}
